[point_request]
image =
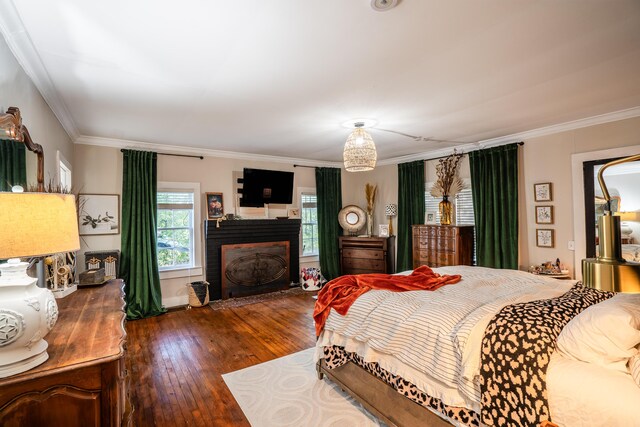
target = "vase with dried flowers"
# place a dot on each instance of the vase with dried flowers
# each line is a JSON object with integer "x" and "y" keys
{"x": 370, "y": 193}
{"x": 447, "y": 185}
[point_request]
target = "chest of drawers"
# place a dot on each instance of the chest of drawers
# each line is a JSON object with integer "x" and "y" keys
{"x": 442, "y": 245}
{"x": 360, "y": 255}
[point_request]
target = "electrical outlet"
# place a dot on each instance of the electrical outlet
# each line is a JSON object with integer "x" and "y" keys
{"x": 571, "y": 246}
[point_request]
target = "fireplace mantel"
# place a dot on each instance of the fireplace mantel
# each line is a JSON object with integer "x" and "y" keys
{"x": 249, "y": 231}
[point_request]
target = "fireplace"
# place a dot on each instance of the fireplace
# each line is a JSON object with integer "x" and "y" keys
{"x": 248, "y": 257}
{"x": 249, "y": 268}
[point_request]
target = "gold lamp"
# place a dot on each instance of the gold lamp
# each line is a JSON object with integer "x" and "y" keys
{"x": 33, "y": 225}
{"x": 609, "y": 271}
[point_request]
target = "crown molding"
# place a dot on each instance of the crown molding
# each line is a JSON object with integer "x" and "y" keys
{"x": 20, "y": 44}
{"x": 176, "y": 149}
{"x": 520, "y": 136}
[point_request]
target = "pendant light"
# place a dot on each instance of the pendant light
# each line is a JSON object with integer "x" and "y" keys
{"x": 359, "y": 151}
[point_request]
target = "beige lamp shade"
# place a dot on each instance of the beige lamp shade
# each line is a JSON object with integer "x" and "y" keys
{"x": 37, "y": 224}
{"x": 359, "y": 151}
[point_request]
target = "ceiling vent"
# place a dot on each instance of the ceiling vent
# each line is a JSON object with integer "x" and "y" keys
{"x": 383, "y": 5}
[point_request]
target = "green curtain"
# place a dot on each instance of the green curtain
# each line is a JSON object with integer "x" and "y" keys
{"x": 329, "y": 197}
{"x": 494, "y": 183}
{"x": 410, "y": 208}
{"x": 139, "y": 262}
{"x": 13, "y": 164}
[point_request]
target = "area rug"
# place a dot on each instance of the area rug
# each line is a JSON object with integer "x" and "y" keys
{"x": 287, "y": 392}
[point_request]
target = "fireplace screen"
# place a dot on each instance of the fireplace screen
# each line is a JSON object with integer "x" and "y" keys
{"x": 255, "y": 265}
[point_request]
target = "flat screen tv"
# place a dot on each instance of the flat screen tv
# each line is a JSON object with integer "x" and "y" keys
{"x": 261, "y": 186}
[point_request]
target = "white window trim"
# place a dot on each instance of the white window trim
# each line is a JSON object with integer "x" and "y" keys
{"x": 61, "y": 160}
{"x": 305, "y": 258}
{"x": 196, "y": 268}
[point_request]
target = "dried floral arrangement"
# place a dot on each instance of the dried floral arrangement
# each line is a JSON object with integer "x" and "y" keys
{"x": 448, "y": 183}
{"x": 370, "y": 192}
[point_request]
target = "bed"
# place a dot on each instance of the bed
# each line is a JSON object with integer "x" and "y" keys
{"x": 416, "y": 358}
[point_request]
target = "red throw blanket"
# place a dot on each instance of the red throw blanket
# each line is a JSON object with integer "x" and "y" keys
{"x": 341, "y": 292}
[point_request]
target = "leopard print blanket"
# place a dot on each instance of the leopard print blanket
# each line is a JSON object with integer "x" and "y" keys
{"x": 516, "y": 350}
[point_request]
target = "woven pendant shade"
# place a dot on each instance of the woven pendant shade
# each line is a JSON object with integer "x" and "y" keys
{"x": 359, "y": 151}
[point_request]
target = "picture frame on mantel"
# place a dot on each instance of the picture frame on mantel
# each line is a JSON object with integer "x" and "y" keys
{"x": 215, "y": 205}
{"x": 98, "y": 214}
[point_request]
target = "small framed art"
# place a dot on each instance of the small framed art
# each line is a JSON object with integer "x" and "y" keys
{"x": 544, "y": 238}
{"x": 544, "y": 214}
{"x": 99, "y": 214}
{"x": 430, "y": 218}
{"x": 215, "y": 207}
{"x": 383, "y": 230}
{"x": 543, "y": 192}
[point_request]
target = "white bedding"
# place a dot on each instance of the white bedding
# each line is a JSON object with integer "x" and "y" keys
{"x": 433, "y": 338}
{"x": 631, "y": 252}
{"x": 585, "y": 394}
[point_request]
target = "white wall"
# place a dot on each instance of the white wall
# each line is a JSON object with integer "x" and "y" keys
{"x": 17, "y": 90}
{"x": 99, "y": 170}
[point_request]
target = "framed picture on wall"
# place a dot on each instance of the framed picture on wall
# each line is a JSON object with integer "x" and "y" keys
{"x": 98, "y": 214}
{"x": 543, "y": 192}
{"x": 544, "y": 214}
{"x": 544, "y": 238}
{"x": 215, "y": 207}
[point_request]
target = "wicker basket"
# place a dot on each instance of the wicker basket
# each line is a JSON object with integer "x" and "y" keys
{"x": 198, "y": 294}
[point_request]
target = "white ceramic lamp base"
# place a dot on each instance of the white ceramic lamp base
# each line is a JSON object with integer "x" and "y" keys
{"x": 27, "y": 314}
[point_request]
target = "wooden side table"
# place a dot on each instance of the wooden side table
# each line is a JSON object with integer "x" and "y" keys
{"x": 360, "y": 255}
{"x": 83, "y": 383}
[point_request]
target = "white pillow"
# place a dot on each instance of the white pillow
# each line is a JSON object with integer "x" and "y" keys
{"x": 605, "y": 334}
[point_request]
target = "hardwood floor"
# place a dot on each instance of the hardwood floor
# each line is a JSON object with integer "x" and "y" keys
{"x": 175, "y": 361}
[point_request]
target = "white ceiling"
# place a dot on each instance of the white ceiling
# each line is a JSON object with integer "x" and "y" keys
{"x": 280, "y": 77}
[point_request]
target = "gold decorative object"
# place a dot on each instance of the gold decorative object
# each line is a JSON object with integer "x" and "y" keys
{"x": 609, "y": 270}
{"x": 445, "y": 208}
{"x": 359, "y": 151}
{"x": 447, "y": 185}
{"x": 11, "y": 127}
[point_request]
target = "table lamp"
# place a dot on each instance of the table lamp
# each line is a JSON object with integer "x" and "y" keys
{"x": 390, "y": 211}
{"x": 609, "y": 271}
{"x": 33, "y": 225}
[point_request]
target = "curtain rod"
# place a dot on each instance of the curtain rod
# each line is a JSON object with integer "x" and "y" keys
{"x": 444, "y": 157}
{"x": 303, "y": 166}
{"x": 176, "y": 155}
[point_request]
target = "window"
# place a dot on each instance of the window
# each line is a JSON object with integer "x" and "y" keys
{"x": 309, "y": 215}
{"x": 64, "y": 172}
{"x": 463, "y": 209}
{"x": 175, "y": 229}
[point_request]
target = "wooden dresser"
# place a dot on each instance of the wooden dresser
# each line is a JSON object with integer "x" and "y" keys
{"x": 441, "y": 245}
{"x": 360, "y": 255}
{"x": 84, "y": 382}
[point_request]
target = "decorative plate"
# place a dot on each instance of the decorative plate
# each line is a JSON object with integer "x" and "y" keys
{"x": 352, "y": 218}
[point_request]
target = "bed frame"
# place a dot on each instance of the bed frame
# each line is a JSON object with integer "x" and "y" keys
{"x": 382, "y": 400}
{"x": 379, "y": 398}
